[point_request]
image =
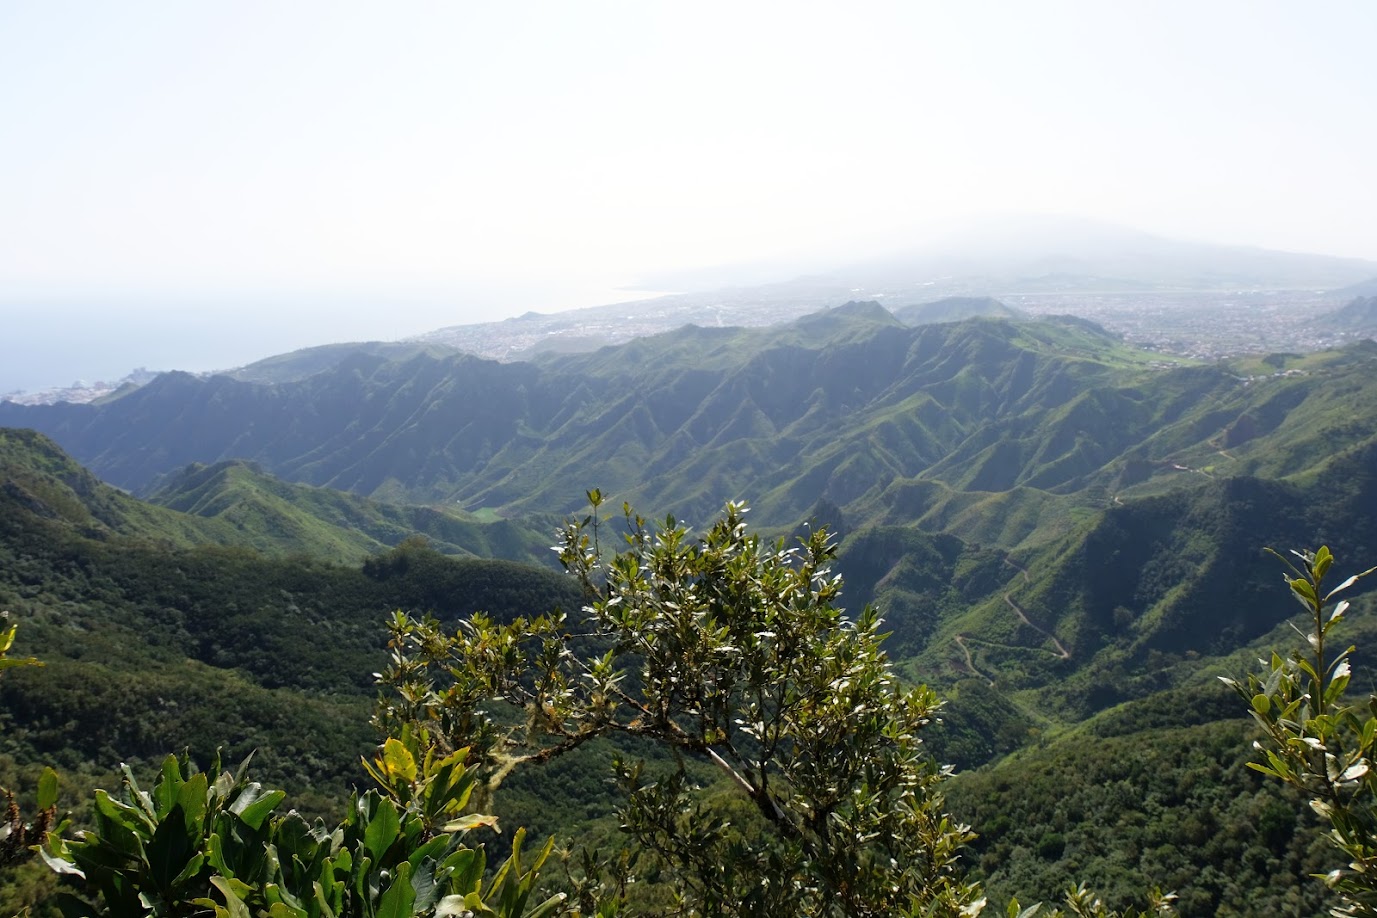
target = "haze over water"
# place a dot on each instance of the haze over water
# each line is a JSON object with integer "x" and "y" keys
{"x": 49, "y": 344}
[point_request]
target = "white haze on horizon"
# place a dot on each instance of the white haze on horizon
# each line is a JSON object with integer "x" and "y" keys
{"x": 332, "y": 170}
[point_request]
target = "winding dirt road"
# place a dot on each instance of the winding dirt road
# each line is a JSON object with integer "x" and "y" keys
{"x": 1061, "y": 648}
{"x": 970, "y": 661}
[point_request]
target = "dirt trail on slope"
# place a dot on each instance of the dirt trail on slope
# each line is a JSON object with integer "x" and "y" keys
{"x": 1023, "y": 648}
{"x": 1061, "y": 648}
{"x": 1018, "y": 567}
{"x": 970, "y": 661}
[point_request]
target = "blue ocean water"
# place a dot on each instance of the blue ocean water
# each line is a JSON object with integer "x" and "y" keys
{"x": 55, "y": 342}
{"x": 59, "y": 344}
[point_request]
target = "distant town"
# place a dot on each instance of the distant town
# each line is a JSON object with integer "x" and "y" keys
{"x": 1207, "y": 326}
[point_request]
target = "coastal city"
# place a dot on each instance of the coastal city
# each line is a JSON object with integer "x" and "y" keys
{"x": 1198, "y": 325}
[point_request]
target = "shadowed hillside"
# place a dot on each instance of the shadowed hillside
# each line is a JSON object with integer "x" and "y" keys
{"x": 236, "y": 503}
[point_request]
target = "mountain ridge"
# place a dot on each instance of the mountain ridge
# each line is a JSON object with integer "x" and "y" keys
{"x": 233, "y": 503}
{"x": 846, "y": 405}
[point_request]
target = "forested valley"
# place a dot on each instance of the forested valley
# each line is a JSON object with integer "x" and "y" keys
{"x": 1062, "y": 536}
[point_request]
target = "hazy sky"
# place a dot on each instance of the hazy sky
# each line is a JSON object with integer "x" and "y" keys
{"x": 235, "y": 179}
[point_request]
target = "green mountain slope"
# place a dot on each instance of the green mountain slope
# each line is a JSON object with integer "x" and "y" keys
{"x": 683, "y": 421}
{"x": 39, "y": 480}
{"x": 1131, "y": 600}
{"x": 150, "y": 645}
{"x": 1175, "y": 808}
{"x": 1092, "y": 659}
{"x": 955, "y": 309}
{"x": 235, "y": 504}
{"x": 1358, "y": 316}
{"x": 267, "y": 513}
{"x": 993, "y": 425}
{"x": 309, "y": 361}
{"x": 1099, "y": 499}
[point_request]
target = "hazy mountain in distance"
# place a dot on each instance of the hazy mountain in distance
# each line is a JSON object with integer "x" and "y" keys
{"x": 1029, "y": 258}
{"x": 309, "y": 361}
{"x": 1011, "y": 253}
{"x": 288, "y": 367}
{"x": 1363, "y": 288}
{"x": 1041, "y": 253}
{"x": 1026, "y": 256}
{"x": 1358, "y": 317}
{"x": 955, "y": 309}
{"x": 587, "y": 329}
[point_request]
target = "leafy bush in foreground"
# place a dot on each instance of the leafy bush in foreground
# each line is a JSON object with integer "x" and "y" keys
{"x": 214, "y": 844}
{"x": 1318, "y": 740}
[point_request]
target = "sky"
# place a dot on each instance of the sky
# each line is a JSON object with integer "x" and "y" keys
{"x": 199, "y": 185}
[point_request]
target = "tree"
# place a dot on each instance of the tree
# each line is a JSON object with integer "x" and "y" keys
{"x": 726, "y": 651}
{"x": 1317, "y": 738}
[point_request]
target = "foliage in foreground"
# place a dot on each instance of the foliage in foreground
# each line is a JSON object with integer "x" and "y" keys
{"x": 212, "y": 843}
{"x": 721, "y": 650}
{"x": 1317, "y": 739}
{"x": 730, "y": 654}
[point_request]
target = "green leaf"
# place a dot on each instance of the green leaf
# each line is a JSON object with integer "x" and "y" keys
{"x": 193, "y": 867}
{"x": 254, "y": 804}
{"x": 168, "y": 786}
{"x": 191, "y": 797}
{"x": 60, "y": 865}
{"x": 234, "y": 906}
{"x": 215, "y": 855}
{"x": 1323, "y": 559}
{"x": 549, "y": 907}
{"x": 1305, "y": 591}
{"x": 329, "y": 903}
{"x": 173, "y": 848}
{"x": 398, "y": 761}
{"x": 467, "y": 866}
{"x": 47, "y": 789}
{"x": 125, "y": 819}
{"x": 470, "y": 822}
{"x": 382, "y": 830}
{"x": 426, "y": 888}
{"x": 400, "y": 896}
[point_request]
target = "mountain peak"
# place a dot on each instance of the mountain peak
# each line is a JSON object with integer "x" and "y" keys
{"x": 955, "y": 309}
{"x": 864, "y": 309}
